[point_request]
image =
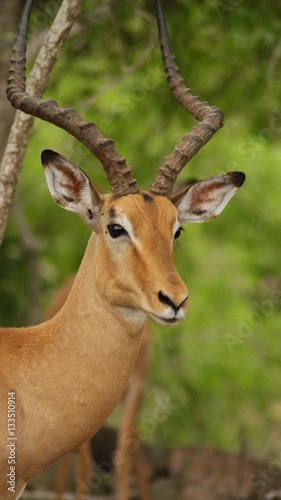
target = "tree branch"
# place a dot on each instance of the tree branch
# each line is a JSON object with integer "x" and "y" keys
{"x": 36, "y": 84}
{"x": 127, "y": 70}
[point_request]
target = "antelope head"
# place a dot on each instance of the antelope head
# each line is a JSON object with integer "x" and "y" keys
{"x": 135, "y": 232}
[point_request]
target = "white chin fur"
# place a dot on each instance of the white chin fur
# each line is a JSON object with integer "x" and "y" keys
{"x": 132, "y": 314}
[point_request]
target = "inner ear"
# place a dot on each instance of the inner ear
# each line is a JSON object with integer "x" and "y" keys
{"x": 206, "y": 199}
{"x": 71, "y": 188}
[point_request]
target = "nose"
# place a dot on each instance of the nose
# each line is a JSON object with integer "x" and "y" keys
{"x": 165, "y": 299}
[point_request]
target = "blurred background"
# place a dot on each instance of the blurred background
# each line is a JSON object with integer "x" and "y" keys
{"x": 217, "y": 372}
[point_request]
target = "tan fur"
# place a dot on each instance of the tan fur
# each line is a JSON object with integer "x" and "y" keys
{"x": 128, "y": 446}
{"x": 150, "y": 261}
{"x": 128, "y": 452}
{"x": 69, "y": 373}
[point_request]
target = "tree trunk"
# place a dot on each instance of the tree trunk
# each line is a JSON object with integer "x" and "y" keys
{"x": 36, "y": 84}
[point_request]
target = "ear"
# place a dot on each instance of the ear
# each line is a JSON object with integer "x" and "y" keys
{"x": 70, "y": 187}
{"x": 206, "y": 199}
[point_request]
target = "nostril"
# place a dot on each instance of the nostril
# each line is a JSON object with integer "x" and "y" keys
{"x": 166, "y": 300}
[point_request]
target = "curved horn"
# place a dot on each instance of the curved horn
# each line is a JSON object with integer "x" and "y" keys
{"x": 118, "y": 173}
{"x": 211, "y": 118}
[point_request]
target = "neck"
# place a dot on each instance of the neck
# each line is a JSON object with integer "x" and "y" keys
{"x": 72, "y": 372}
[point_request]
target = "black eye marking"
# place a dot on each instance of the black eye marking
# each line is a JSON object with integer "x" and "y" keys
{"x": 116, "y": 231}
{"x": 90, "y": 213}
{"x": 178, "y": 233}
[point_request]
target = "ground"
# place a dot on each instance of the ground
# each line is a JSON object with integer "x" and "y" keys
{"x": 190, "y": 473}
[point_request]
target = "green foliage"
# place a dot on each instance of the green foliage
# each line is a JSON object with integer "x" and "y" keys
{"x": 220, "y": 367}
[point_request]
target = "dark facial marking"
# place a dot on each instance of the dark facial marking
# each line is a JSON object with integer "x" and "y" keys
{"x": 147, "y": 197}
{"x": 112, "y": 213}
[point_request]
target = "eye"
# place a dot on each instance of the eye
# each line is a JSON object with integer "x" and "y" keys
{"x": 116, "y": 231}
{"x": 178, "y": 233}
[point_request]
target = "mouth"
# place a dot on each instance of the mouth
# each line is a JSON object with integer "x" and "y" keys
{"x": 164, "y": 321}
{"x": 172, "y": 321}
